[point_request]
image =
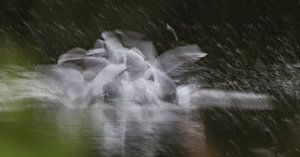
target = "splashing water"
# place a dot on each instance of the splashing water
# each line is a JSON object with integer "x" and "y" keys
{"x": 124, "y": 67}
{"x": 130, "y": 89}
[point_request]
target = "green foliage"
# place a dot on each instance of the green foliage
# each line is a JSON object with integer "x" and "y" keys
{"x": 13, "y": 53}
{"x": 22, "y": 135}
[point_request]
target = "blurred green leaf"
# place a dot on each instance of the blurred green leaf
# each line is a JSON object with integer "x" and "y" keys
{"x": 21, "y": 136}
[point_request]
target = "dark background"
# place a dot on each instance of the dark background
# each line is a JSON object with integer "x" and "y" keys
{"x": 236, "y": 32}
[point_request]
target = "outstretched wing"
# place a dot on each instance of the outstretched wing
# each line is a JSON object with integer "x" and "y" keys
{"x": 132, "y": 39}
{"x": 113, "y": 46}
{"x": 72, "y": 55}
{"x": 177, "y": 61}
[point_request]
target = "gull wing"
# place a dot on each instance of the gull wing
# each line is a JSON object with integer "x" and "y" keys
{"x": 106, "y": 75}
{"x": 112, "y": 46}
{"x": 177, "y": 61}
{"x": 135, "y": 64}
{"x": 72, "y": 55}
{"x": 132, "y": 39}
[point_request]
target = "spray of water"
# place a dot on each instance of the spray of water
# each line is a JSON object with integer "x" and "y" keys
{"x": 122, "y": 66}
{"x": 131, "y": 90}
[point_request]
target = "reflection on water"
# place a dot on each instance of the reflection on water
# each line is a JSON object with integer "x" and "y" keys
{"x": 116, "y": 130}
{"x": 132, "y": 130}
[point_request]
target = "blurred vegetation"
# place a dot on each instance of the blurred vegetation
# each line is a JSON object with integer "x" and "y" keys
{"x": 15, "y": 53}
{"x": 22, "y": 134}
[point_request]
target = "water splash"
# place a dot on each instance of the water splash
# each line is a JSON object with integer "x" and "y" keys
{"x": 123, "y": 66}
{"x": 130, "y": 90}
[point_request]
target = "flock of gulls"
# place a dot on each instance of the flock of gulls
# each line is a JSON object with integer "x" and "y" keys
{"x": 123, "y": 66}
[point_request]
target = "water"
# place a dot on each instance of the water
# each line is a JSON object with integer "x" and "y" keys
{"x": 242, "y": 99}
{"x": 125, "y": 100}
